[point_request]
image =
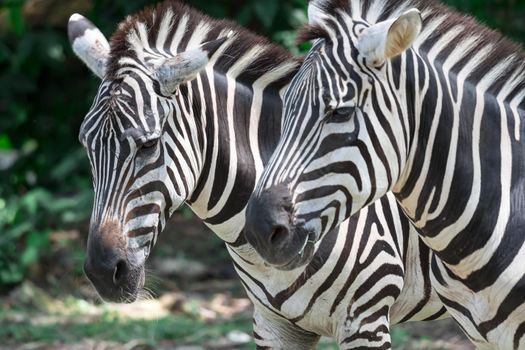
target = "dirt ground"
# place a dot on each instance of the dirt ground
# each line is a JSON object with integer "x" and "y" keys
{"x": 199, "y": 303}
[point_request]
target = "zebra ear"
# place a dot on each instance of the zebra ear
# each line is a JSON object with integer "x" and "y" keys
{"x": 185, "y": 66}
{"x": 391, "y": 38}
{"x": 88, "y": 43}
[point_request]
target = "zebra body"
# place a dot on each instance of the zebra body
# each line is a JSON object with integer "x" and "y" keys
{"x": 160, "y": 133}
{"x": 438, "y": 123}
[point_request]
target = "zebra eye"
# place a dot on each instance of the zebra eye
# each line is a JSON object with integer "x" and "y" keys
{"x": 149, "y": 144}
{"x": 340, "y": 115}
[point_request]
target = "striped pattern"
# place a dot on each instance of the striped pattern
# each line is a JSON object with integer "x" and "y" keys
{"x": 439, "y": 125}
{"x": 207, "y": 145}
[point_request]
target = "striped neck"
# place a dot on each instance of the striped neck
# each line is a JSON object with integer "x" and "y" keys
{"x": 462, "y": 96}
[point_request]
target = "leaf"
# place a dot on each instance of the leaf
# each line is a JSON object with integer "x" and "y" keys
{"x": 69, "y": 164}
{"x": 15, "y": 231}
{"x": 29, "y": 256}
{"x": 34, "y": 199}
{"x": 11, "y": 275}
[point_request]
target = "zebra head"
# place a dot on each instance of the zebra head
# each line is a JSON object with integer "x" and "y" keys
{"x": 139, "y": 175}
{"x": 342, "y": 143}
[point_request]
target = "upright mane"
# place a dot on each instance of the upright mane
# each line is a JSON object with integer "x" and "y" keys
{"x": 491, "y": 51}
{"x": 171, "y": 27}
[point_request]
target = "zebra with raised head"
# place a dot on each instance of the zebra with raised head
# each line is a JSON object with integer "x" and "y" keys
{"x": 411, "y": 97}
{"x": 189, "y": 109}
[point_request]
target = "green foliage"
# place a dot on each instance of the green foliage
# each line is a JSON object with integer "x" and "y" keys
{"x": 43, "y": 173}
{"x": 26, "y": 222}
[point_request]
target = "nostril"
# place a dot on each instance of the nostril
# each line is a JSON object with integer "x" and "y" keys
{"x": 119, "y": 272}
{"x": 278, "y": 235}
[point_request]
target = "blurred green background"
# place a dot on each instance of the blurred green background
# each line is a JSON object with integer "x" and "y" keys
{"x": 45, "y": 186}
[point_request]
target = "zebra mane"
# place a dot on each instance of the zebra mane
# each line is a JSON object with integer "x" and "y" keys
{"x": 439, "y": 21}
{"x": 171, "y": 21}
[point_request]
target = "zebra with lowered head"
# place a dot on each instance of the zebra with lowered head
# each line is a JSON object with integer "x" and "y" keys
{"x": 189, "y": 109}
{"x": 408, "y": 96}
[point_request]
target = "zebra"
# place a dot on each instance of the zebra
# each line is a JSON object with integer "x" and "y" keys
{"x": 409, "y": 96}
{"x": 189, "y": 110}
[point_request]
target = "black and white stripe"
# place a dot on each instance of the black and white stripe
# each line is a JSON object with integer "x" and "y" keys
{"x": 439, "y": 124}
{"x": 207, "y": 143}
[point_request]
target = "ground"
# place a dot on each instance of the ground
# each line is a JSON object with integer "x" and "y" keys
{"x": 199, "y": 303}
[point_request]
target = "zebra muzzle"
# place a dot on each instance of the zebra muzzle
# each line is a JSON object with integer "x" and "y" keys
{"x": 116, "y": 272}
{"x": 271, "y": 230}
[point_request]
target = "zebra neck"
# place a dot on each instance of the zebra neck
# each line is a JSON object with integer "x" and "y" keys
{"x": 242, "y": 127}
{"x": 464, "y": 135}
